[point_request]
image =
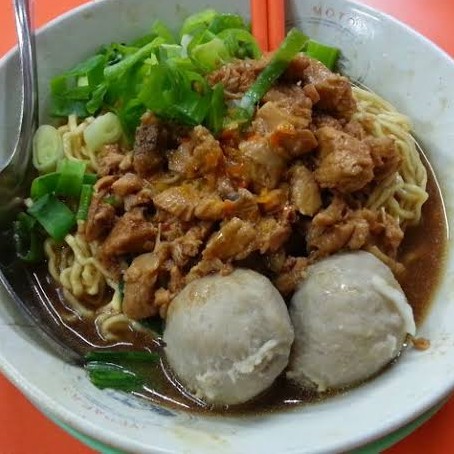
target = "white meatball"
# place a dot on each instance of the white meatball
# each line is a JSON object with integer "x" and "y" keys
{"x": 350, "y": 317}
{"x": 228, "y": 337}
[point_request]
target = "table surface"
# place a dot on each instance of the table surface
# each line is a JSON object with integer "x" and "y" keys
{"x": 24, "y": 429}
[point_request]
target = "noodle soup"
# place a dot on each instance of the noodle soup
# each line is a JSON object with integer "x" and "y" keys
{"x": 313, "y": 169}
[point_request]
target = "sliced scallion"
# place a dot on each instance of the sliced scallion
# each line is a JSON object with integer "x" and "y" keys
{"x": 27, "y": 242}
{"x": 71, "y": 177}
{"x": 47, "y": 149}
{"x": 84, "y": 202}
{"x": 56, "y": 218}
{"x": 292, "y": 44}
{"x": 103, "y": 130}
{"x": 325, "y": 54}
{"x": 45, "y": 184}
{"x": 105, "y": 375}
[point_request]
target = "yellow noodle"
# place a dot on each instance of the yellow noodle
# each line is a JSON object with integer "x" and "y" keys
{"x": 403, "y": 194}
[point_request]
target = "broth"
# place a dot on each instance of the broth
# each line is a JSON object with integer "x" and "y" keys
{"x": 422, "y": 252}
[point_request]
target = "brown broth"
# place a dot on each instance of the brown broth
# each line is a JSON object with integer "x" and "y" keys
{"x": 422, "y": 252}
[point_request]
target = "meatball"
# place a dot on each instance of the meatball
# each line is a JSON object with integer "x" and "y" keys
{"x": 228, "y": 337}
{"x": 351, "y": 318}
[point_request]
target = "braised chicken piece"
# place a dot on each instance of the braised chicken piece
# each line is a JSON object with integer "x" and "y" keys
{"x": 150, "y": 142}
{"x": 131, "y": 234}
{"x": 304, "y": 190}
{"x": 335, "y": 92}
{"x": 140, "y": 283}
{"x": 345, "y": 162}
{"x": 339, "y": 227}
{"x": 101, "y": 218}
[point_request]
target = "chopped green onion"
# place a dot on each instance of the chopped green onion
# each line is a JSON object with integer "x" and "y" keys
{"x": 45, "y": 184}
{"x": 325, "y": 54}
{"x": 168, "y": 92}
{"x": 68, "y": 97}
{"x": 90, "y": 178}
{"x": 161, "y": 30}
{"x": 210, "y": 55}
{"x": 292, "y": 44}
{"x": 56, "y": 218}
{"x": 26, "y": 239}
{"x": 47, "y": 149}
{"x": 71, "y": 177}
{"x": 216, "y": 113}
{"x": 112, "y": 376}
{"x": 103, "y": 130}
{"x": 241, "y": 43}
{"x": 114, "y": 356}
{"x": 224, "y": 21}
{"x": 169, "y": 51}
{"x": 118, "y": 70}
{"x": 84, "y": 203}
{"x": 97, "y": 98}
{"x": 203, "y": 19}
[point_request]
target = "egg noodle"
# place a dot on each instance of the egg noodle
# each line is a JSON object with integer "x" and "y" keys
{"x": 87, "y": 285}
{"x": 403, "y": 193}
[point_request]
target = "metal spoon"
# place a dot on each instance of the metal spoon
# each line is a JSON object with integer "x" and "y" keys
{"x": 13, "y": 173}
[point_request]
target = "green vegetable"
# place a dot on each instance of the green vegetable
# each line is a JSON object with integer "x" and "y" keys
{"x": 217, "y": 110}
{"x": 27, "y": 242}
{"x": 47, "y": 149}
{"x": 103, "y": 130}
{"x": 114, "y": 356}
{"x": 71, "y": 177}
{"x": 104, "y": 375}
{"x": 210, "y": 55}
{"x": 56, "y": 218}
{"x": 109, "y": 369}
{"x": 326, "y": 54}
{"x": 90, "y": 178}
{"x": 70, "y": 98}
{"x": 86, "y": 194}
{"x": 169, "y": 51}
{"x": 169, "y": 92}
{"x": 47, "y": 184}
{"x": 97, "y": 98}
{"x": 224, "y": 21}
{"x": 292, "y": 44}
{"x": 119, "y": 69}
{"x": 162, "y": 31}
{"x": 241, "y": 43}
{"x": 198, "y": 21}
{"x": 44, "y": 184}
{"x": 156, "y": 72}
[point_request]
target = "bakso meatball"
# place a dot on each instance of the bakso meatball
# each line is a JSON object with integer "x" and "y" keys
{"x": 228, "y": 337}
{"x": 350, "y": 317}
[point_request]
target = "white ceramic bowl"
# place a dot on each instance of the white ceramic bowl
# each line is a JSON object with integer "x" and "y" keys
{"x": 388, "y": 57}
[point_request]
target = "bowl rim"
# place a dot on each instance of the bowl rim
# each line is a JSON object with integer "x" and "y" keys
{"x": 49, "y": 406}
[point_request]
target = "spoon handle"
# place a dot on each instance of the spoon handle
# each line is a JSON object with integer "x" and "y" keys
{"x": 29, "y": 100}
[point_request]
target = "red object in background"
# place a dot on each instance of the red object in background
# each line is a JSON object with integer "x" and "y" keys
{"x": 23, "y": 429}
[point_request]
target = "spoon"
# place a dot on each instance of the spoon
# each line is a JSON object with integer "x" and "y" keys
{"x": 15, "y": 168}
